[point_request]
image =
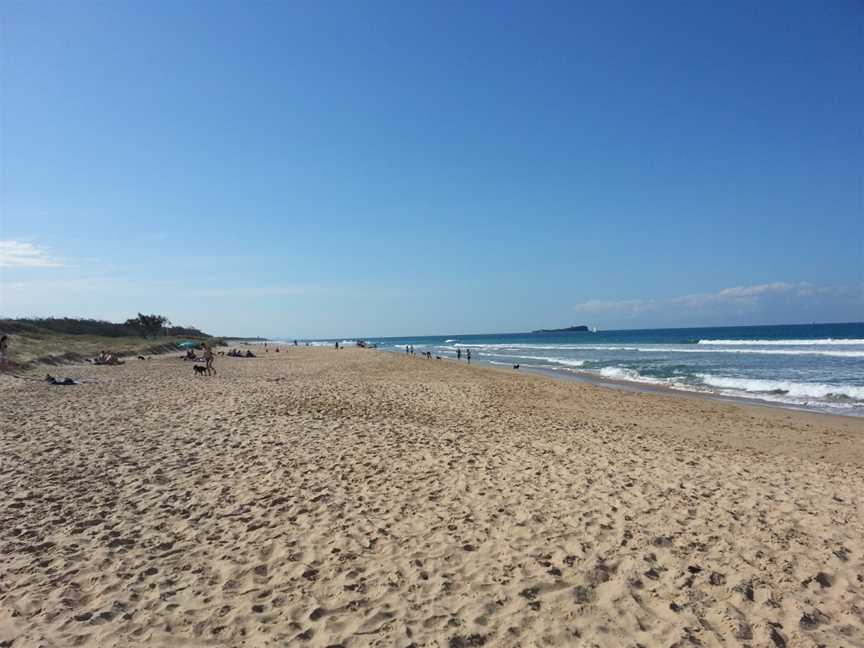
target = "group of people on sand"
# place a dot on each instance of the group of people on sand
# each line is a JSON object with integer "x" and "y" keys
{"x": 237, "y": 353}
{"x": 206, "y": 355}
{"x": 107, "y": 358}
{"x": 409, "y": 349}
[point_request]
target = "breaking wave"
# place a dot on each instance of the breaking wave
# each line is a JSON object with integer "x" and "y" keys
{"x": 759, "y": 386}
{"x": 822, "y": 342}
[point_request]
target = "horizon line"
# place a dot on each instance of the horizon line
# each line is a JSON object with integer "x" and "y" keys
{"x": 402, "y": 337}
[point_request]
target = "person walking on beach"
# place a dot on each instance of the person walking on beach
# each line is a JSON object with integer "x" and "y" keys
{"x": 468, "y": 355}
{"x": 208, "y": 359}
{"x": 458, "y": 353}
{"x": 407, "y": 352}
{"x": 4, "y": 349}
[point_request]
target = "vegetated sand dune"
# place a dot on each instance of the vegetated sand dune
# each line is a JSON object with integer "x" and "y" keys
{"x": 357, "y": 498}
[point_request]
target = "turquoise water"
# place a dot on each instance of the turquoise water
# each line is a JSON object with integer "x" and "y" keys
{"x": 818, "y": 367}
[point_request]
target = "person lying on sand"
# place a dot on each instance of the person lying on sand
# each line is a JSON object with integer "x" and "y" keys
{"x": 51, "y": 380}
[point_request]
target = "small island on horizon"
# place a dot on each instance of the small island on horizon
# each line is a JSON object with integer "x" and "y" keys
{"x": 568, "y": 329}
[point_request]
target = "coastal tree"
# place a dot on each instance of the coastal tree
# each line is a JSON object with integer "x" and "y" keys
{"x": 148, "y": 325}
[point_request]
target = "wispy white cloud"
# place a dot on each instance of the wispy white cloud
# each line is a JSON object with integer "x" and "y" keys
{"x": 735, "y": 297}
{"x": 746, "y": 294}
{"x": 21, "y": 254}
{"x": 760, "y": 289}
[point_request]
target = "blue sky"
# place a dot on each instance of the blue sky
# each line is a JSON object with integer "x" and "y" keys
{"x": 391, "y": 168}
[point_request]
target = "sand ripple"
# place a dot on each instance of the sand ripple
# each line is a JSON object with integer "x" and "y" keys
{"x": 357, "y": 498}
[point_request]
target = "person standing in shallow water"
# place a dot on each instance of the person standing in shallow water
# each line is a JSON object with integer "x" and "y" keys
{"x": 468, "y": 355}
{"x": 458, "y": 353}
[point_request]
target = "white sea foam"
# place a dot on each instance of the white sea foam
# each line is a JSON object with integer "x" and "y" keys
{"x": 562, "y": 361}
{"x": 777, "y": 390}
{"x": 784, "y": 387}
{"x": 821, "y": 342}
{"x": 670, "y": 349}
{"x": 523, "y": 347}
{"x": 521, "y": 364}
{"x": 828, "y": 354}
{"x": 619, "y": 372}
{"x": 834, "y": 386}
{"x": 622, "y": 373}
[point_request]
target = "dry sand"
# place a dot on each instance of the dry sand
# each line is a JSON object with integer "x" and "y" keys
{"x": 357, "y": 498}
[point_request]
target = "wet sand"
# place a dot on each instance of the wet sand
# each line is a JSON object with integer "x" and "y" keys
{"x": 355, "y": 498}
{"x": 635, "y": 386}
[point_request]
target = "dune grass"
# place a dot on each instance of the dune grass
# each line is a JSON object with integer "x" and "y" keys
{"x": 49, "y": 348}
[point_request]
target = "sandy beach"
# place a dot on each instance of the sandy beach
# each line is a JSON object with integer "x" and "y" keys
{"x": 359, "y": 498}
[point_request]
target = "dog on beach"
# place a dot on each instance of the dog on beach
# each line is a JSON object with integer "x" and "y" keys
{"x": 516, "y": 366}
{"x": 141, "y": 358}
{"x": 200, "y": 370}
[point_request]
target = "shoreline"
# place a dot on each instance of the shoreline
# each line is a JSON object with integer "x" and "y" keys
{"x": 635, "y": 386}
{"x": 644, "y": 387}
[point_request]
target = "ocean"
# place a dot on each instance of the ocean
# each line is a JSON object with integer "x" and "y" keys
{"x": 817, "y": 367}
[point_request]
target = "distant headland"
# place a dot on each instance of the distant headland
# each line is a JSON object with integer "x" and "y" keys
{"x": 568, "y": 329}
